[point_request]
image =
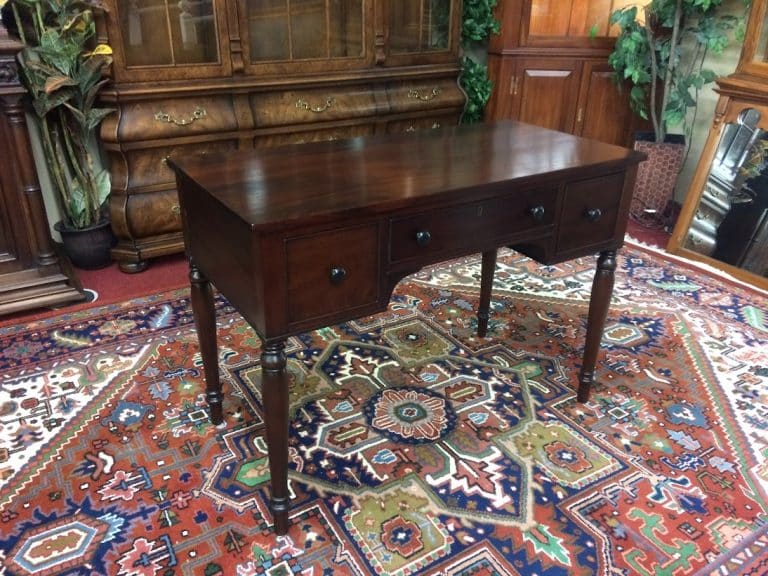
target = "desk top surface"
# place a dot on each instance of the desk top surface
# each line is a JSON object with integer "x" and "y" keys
{"x": 308, "y": 182}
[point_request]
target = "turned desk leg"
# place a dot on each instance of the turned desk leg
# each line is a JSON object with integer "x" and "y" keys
{"x": 205, "y": 322}
{"x": 274, "y": 391}
{"x": 486, "y": 284}
{"x": 599, "y": 302}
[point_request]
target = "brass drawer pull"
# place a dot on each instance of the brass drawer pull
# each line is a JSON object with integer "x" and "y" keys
{"x": 302, "y": 104}
{"x": 537, "y": 212}
{"x": 593, "y": 214}
{"x": 197, "y": 114}
{"x": 416, "y": 94}
{"x": 338, "y": 274}
{"x": 423, "y": 237}
{"x": 175, "y": 209}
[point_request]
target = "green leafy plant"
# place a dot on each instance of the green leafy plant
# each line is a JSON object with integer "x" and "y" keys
{"x": 63, "y": 73}
{"x": 478, "y": 23}
{"x": 649, "y": 54}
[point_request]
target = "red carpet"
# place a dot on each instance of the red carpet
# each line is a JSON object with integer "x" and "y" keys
{"x": 416, "y": 448}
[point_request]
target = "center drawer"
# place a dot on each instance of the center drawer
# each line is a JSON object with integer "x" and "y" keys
{"x": 471, "y": 226}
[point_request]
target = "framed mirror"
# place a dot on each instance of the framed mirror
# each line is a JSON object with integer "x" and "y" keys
{"x": 724, "y": 218}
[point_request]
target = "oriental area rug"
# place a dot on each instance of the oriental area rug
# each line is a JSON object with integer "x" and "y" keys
{"x": 415, "y": 447}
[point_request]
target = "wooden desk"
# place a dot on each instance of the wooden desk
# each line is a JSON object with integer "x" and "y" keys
{"x": 307, "y": 236}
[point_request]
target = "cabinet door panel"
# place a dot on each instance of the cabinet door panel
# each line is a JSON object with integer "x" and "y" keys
{"x": 174, "y": 40}
{"x": 285, "y": 36}
{"x": 603, "y": 111}
{"x": 547, "y": 90}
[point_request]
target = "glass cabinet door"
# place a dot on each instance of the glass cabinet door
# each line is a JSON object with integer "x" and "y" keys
{"x": 754, "y": 55}
{"x": 421, "y": 30}
{"x": 184, "y": 38}
{"x": 280, "y": 35}
{"x": 571, "y": 22}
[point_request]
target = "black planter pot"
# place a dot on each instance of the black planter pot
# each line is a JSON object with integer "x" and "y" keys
{"x": 87, "y": 248}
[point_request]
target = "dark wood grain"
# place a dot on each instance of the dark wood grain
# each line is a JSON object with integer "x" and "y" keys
{"x": 307, "y": 236}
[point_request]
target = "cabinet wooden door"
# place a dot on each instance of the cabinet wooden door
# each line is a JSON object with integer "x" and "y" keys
{"x": 540, "y": 91}
{"x": 602, "y": 111}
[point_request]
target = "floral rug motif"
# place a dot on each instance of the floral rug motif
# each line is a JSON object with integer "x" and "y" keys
{"x": 415, "y": 447}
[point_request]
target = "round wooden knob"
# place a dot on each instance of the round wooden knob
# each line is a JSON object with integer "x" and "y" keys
{"x": 593, "y": 214}
{"x": 338, "y": 273}
{"x": 537, "y": 212}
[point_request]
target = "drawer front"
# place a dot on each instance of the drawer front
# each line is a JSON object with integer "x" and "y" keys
{"x": 475, "y": 225}
{"x": 153, "y": 213}
{"x": 421, "y": 124}
{"x": 322, "y": 135}
{"x": 174, "y": 118}
{"x": 424, "y": 95}
{"x": 332, "y": 272}
{"x": 590, "y": 213}
{"x": 148, "y": 166}
{"x": 317, "y": 105}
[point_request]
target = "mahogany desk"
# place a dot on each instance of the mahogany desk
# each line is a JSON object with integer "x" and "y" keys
{"x": 302, "y": 237}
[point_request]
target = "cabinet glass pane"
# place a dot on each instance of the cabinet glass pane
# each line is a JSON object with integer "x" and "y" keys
{"x": 419, "y": 26}
{"x": 575, "y": 18}
{"x": 761, "y": 52}
{"x": 169, "y": 32}
{"x": 304, "y": 29}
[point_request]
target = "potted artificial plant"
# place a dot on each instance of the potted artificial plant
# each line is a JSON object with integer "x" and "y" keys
{"x": 660, "y": 51}
{"x": 63, "y": 72}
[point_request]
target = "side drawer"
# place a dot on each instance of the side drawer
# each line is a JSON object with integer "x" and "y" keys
{"x": 421, "y": 124}
{"x": 148, "y": 167}
{"x": 470, "y": 226}
{"x": 331, "y": 272}
{"x": 431, "y": 94}
{"x": 316, "y": 105}
{"x": 590, "y": 213}
{"x": 153, "y": 213}
{"x": 321, "y": 135}
{"x": 173, "y": 118}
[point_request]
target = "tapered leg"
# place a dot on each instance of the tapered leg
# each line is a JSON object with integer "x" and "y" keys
{"x": 486, "y": 284}
{"x": 205, "y": 321}
{"x": 274, "y": 390}
{"x": 600, "y": 300}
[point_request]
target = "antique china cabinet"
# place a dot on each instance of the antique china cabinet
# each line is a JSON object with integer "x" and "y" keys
{"x": 194, "y": 76}
{"x": 550, "y": 67}
{"x": 724, "y": 219}
{"x": 31, "y": 273}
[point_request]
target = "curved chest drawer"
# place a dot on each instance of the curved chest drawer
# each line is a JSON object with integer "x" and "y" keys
{"x": 172, "y": 118}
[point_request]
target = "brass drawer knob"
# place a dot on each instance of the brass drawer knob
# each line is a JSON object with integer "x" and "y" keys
{"x": 537, "y": 212}
{"x": 175, "y": 209}
{"x": 302, "y": 104}
{"x": 423, "y": 237}
{"x": 338, "y": 274}
{"x": 593, "y": 214}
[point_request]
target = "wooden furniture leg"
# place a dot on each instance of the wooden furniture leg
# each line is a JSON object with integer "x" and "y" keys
{"x": 205, "y": 322}
{"x": 274, "y": 391}
{"x": 486, "y": 285}
{"x": 600, "y": 300}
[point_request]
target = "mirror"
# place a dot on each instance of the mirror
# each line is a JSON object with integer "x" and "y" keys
{"x": 724, "y": 221}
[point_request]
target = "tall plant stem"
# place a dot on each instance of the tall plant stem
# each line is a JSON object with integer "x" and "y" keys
{"x": 77, "y": 158}
{"x": 54, "y": 165}
{"x": 654, "y": 74}
{"x": 671, "y": 66}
